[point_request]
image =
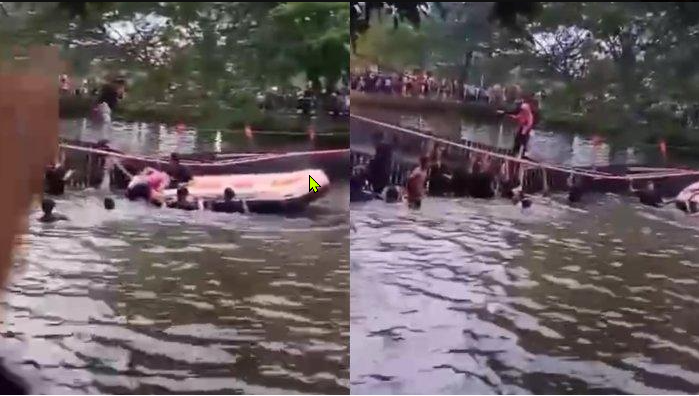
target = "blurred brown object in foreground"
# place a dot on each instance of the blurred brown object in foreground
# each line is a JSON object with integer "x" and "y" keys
{"x": 28, "y": 138}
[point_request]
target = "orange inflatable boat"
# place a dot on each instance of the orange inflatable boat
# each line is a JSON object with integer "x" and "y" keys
{"x": 263, "y": 192}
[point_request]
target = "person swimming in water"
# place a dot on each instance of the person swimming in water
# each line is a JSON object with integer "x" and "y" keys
{"x": 47, "y": 206}
{"x": 228, "y": 205}
{"x": 392, "y": 194}
{"x": 416, "y": 184}
{"x": 148, "y": 185}
{"x": 109, "y": 203}
{"x": 183, "y": 202}
{"x": 359, "y": 191}
{"x": 649, "y": 195}
{"x": 520, "y": 198}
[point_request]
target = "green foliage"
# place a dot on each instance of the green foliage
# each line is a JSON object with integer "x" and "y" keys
{"x": 604, "y": 66}
{"x": 204, "y": 53}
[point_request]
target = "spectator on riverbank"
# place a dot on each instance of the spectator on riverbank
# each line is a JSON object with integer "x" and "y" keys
{"x": 425, "y": 84}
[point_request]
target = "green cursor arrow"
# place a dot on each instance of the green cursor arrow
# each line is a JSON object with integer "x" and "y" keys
{"x": 312, "y": 184}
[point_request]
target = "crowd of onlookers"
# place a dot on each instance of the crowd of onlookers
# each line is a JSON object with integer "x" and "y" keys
{"x": 427, "y": 85}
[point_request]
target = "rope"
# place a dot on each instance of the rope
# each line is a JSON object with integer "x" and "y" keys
{"x": 273, "y": 133}
{"x": 261, "y": 157}
{"x": 522, "y": 161}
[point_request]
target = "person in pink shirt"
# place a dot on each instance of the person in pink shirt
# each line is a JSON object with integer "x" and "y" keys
{"x": 148, "y": 185}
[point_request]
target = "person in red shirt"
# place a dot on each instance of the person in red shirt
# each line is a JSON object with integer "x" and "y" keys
{"x": 416, "y": 183}
{"x": 524, "y": 117}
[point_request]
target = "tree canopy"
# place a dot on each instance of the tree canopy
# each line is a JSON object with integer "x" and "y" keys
{"x": 616, "y": 63}
{"x": 192, "y": 51}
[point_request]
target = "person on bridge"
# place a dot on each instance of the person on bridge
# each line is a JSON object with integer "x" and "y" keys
{"x": 524, "y": 116}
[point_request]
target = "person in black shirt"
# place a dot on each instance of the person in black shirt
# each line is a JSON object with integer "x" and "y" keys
{"x": 650, "y": 196}
{"x": 439, "y": 177}
{"x": 111, "y": 93}
{"x": 358, "y": 183}
{"x": 47, "y": 206}
{"x": 178, "y": 173}
{"x": 380, "y": 165}
{"x": 54, "y": 180}
{"x": 11, "y": 384}
{"x": 182, "y": 202}
{"x": 109, "y": 203}
{"x": 228, "y": 205}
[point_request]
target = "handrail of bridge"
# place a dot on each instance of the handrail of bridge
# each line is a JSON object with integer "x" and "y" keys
{"x": 533, "y": 164}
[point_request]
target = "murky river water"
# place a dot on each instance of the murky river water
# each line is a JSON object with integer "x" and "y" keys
{"x": 148, "y": 138}
{"x": 470, "y": 296}
{"x": 154, "y": 301}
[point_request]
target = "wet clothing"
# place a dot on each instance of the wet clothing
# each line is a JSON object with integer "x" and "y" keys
{"x": 358, "y": 193}
{"x": 138, "y": 190}
{"x": 380, "y": 167}
{"x": 575, "y": 194}
{"x": 507, "y": 187}
{"x": 480, "y": 185}
{"x": 234, "y": 206}
{"x": 52, "y": 218}
{"x": 54, "y": 183}
{"x": 650, "y": 197}
{"x": 157, "y": 180}
{"x": 438, "y": 180}
{"x": 459, "y": 183}
{"x": 10, "y": 384}
{"x": 179, "y": 174}
{"x": 415, "y": 204}
{"x": 109, "y": 95}
{"x": 392, "y": 195}
{"x": 183, "y": 205}
{"x": 416, "y": 186}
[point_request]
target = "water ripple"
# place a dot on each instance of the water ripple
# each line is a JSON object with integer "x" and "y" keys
{"x": 471, "y": 296}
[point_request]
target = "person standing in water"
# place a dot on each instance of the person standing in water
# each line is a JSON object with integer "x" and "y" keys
{"x": 380, "y": 165}
{"x": 179, "y": 174}
{"x": 416, "y": 184}
{"x": 439, "y": 177}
